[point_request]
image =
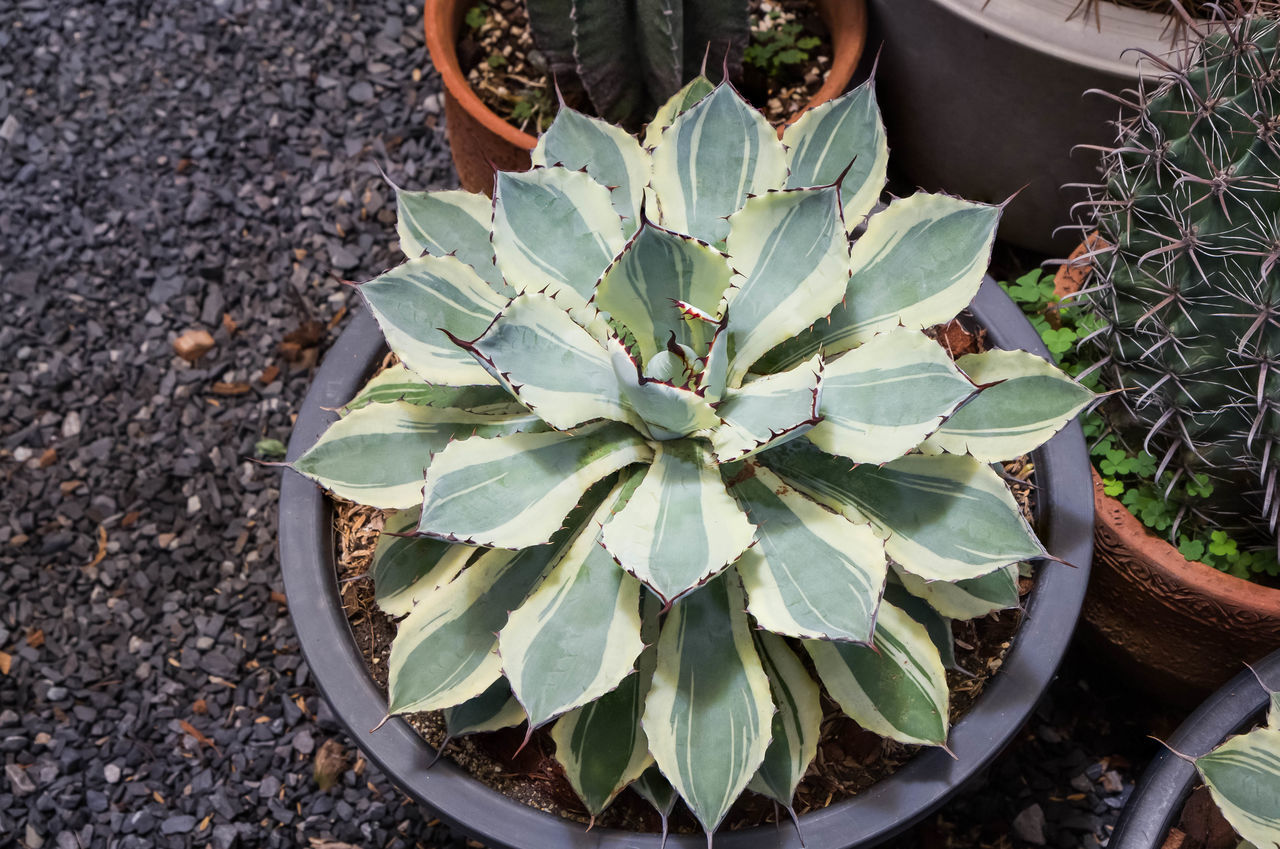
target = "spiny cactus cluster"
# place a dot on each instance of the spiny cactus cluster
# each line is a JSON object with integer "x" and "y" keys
{"x": 1189, "y": 275}
{"x": 631, "y": 57}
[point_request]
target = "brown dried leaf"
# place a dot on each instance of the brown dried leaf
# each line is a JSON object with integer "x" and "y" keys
{"x": 6, "y": 663}
{"x": 330, "y": 762}
{"x": 237, "y": 388}
{"x": 269, "y": 374}
{"x": 199, "y": 735}
{"x": 102, "y": 548}
{"x": 35, "y": 638}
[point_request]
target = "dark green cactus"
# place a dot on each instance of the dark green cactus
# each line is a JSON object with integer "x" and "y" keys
{"x": 630, "y": 56}
{"x": 1189, "y": 278}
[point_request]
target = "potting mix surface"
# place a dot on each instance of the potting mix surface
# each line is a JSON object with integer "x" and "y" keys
{"x": 183, "y": 189}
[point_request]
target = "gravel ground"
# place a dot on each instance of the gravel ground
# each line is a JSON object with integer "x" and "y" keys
{"x": 168, "y": 168}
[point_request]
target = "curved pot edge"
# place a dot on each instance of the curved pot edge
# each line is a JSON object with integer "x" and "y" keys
{"x": 1157, "y": 799}
{"x": 441, "y": 38}
{"x": 1046, "y": 30}
{"x": 914, "y": 791}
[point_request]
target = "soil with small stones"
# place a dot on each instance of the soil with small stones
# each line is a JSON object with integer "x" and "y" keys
{"x": 213, "y": 166}
{"x": 510, "y": 75}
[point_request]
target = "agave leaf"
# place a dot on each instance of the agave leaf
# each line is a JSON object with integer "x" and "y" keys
{"x": 709, "y": 713}
{"x": 602, "y": 746}
{"x": 444, "y": 651}
{"x": 792, "y": 258}
{"x": 938, "y": 626}
{"x": 378, "y": 455}
{"x": 495, "y": 708}
{"x": 827, "y": 138}
{"x": 882, "y": 398}
{"x": 768, "y": 411}
{"x": 680, "y": 526}
{"x": 919, "y": 263}
{"x": 698, "y": 88}
{"x": 606, "y": 54}
{"x": 796, "y": 725}
{"x": 550, "y": 21}
{"x": 552, "y": 364}
{"x": 659, "y": 31}
{"x": 656, "y": 269}
{"x": 1030, "y": 401}
{"x": 397, "y": 383}
{"x": 514, "y": 491}
{"x": 814, "y": 573}
{"x": 697, "y": 184}
{"x": 448, "y": 223}
{"x": 416, "y": 302}
{"x": 657, "y": 791}
{"x": 554, "y": 231}
{"x": 610, "y": 156}
{"x": 896, "y": 688}
{"x": 1243, "y": 776}
{"x": 405, "y": 569}
{"x": 578, "y": 635}
{"x": 668, "y": 412}
{"x": 1273, "y": 711}
{"x": 946, "y": 518}
{"x": 968, "y": 599}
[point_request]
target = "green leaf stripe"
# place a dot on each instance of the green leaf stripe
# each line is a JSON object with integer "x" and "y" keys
{"x": 445, "y": 223}
{"x": 1030, "y": 401}
{"x": 495, "y": 708}
{"x": 796, "y": 725}
{"x": 610, "y": 155}
{"x": 898, "y": 688}
{"x": 813, "y": 572}
{"x": 656, "y": 269}
{"x": 792, "y": 257}
{"x": 514, "y": 491}
{"x": 947, "y": 518}
{"x": 709, "y": 713}
{"x": 578, "y": 635}
{"x": 397, "y": 383}
{"x": 1243, "y": 776}
{"x": 883, "y": 398}
{"x": 416, "y": 301}
{"x": 405, "y": 569}
{"x": 680, "y": 526}
{"x": 552, "y": 364}
{"x": 379, "y": 454}
{"x": 768, "y": 411}
{"x": 698, "y": 186}
{"x": 554, "y": 231}
{"x": 971, "y": 598}
{"x": 826, "y": 139}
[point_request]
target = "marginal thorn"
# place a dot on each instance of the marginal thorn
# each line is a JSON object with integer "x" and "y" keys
{"x": 381, "y": 723}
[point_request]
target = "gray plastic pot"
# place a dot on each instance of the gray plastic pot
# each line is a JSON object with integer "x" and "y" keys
{"x": 1065, "y": 498}
{"x": 1161, "y": 793}
{"x": 983, "y": 99}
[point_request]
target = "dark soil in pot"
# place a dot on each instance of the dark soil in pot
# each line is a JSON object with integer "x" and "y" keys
{"x": 503, "y": 66}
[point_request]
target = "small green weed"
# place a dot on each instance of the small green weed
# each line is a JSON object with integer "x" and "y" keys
{"x": 775, "y": 51}
{"x": 476, "y": 16}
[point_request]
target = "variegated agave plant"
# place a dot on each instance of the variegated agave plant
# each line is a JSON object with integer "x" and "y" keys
{"x": 758, "y": 450}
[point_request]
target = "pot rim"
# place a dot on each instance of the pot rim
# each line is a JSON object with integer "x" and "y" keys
{"x": 1042, "y": 26}
{"x": 439, "y": 25}
{"x": 1157, "y": 800}
{"x": 892, "y": 805}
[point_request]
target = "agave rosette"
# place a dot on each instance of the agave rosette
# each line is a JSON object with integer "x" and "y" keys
{"x": 657, "y": 429}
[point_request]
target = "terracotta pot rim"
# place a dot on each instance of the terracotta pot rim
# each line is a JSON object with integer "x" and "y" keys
{"x": 846, "y": 22}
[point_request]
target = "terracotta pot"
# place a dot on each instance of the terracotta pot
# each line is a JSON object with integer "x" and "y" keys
{"x": 481, "y": 142}
{"x": 1178, "y": 628}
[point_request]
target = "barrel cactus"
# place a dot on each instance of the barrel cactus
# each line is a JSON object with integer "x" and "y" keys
{"x": 759, "y": 451}
{"x": 630, "y": 58}
{"x": 1187, "y": 277}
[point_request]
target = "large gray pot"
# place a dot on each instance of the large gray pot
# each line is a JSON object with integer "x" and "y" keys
{"x": 984, "y": 97}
